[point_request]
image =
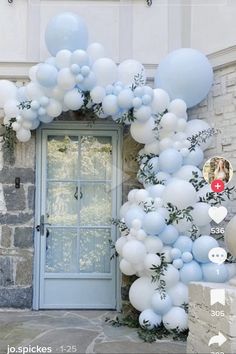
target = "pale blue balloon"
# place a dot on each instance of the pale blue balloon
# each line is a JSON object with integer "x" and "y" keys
{"x": 190, "y": 272}
{"x": 153, "y": 223}
{"x": 170, "y": 160}
{"x": 160, "y": 304}
{"x": 47, "y": 75}
{"x": 178, "y": 263}
{"x": 215, "y": 273}
{"x": 187, "y": 257}
{"x": 185, "y": 73}
{"x": 66, "y": 31}
{"x": 195, "y": 157}
{"x": 175, "y": 253}
{"x": 169, "y": 235}
{"x": 133, "y": 213}
{"x": 184, "y": 244}
{"x": 202, "y": 246}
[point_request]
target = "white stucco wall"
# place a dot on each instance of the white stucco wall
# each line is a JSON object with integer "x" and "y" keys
{"x": 127, "y": 29}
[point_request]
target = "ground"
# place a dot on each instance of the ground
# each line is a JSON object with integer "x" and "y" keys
{"x": 86, "y": 330}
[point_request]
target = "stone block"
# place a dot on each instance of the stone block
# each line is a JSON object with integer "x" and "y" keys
{"x": 16, "y": 297}
{"x": 23, "y": 237}
{"x": 6, "y": 236}
{"x": 24, "y": 270}
{"x": 14, "y": 198}
{"x": 6, "y": 271}
{"x": 8, "y": 175}
{"x": 14, "y": 219}
{"x": 31, "y": 197}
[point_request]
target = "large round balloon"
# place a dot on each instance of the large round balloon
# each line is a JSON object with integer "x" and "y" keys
{"x": 149, "y": 319}
{"x": 131, "y": 71}
{"x": 140, "y": 293}
{"x": 186, "y": 74}
{"x": 202, "y": 246}
{"x": 180, "y": 193}
{"x": 176, "y": 318}
{"x": 66, "y": 31}
{"x": 8, "y": 91}
{"x": 215, "y": 273}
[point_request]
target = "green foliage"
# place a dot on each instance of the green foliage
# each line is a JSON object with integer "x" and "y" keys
{"x": 9, "y": 139}
{"x": 159, "y": 271}
{"x": 201, "y": 137}
{"x": 113, "y": 249}
{"x": 175, "y": 214}
{"x": 197, "y": 181}
{"x": 121, "y": 226}
{"x": 214, "y": 198}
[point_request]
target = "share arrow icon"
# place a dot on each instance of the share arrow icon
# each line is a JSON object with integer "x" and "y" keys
{"x": 220, "y": 340}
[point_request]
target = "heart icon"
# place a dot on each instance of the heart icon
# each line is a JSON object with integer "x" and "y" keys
{"x": 217, "y": 214}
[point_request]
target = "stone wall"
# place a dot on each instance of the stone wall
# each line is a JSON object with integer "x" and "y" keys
{"x": 16, "y": 225}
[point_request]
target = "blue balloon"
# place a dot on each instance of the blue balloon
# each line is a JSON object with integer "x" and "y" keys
{"x": 175, "y": 253}
{"x": 195, "y": 157}
{"x": 184, "y": 244}
{"x": 178, "y": 263}
{"x": 185, "y": 73}
{"x": 46, "y": 75}
{"x": 153, "y": 223}
{"x": 215, "y": 273}
{"x": 170, "y": 160}
{"x": 169, "y": 235}
{"x": 190, "y": 272}
{"x": 202, "y": 246}
{"x": 66, "y": 31}
{"x": 187, "y": 257}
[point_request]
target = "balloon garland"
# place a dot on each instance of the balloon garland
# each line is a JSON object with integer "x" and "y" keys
{"x": 165, "y": 226}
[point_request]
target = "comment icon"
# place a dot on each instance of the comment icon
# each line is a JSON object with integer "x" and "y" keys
{"x": 217, "y": 255}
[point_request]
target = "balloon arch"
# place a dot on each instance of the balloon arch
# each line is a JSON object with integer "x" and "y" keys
{"x": 165, "y": 226}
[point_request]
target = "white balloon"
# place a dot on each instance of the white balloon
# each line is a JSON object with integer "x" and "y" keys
{"x": 156, "y": 190}
{"x": 16, "y": 126}
{"x": 11, "y": 108}
{"x": 23, "y": 135}
{"x": 73, "y": 100}
{"x": 54, "y": 108}
{"x": 65, "y": 79}
{"x": 153, "y": 244}
{"x": 167, "y": 253}
{"x": 151, "y": 260}
{"x": 200, "y": 214}
{"x": 97, "y": 94}
{"x": 165, "y": 144}
{"x": 134, "y": 251}
{"x": 141, "y": 235}
{"x": 95, "y": 51}
{"x": 110, "y": 105}
{"x": 142, "y": 114}
{"x": 153, "y": 148}
{"x": 160, "y": 101}
{"x": 195, "y": 126}
{"x": 63, "y": 58}
{"x": 32, "y": 72}
{"x": 186, "y": 172}
{"x": 105, "y": 71}
{"x": 170, "y": 276}
{"x": 126, "y": 267}
{"x": 141, "y": 195}
{"x": 80, "y": 57}
{"x": 143, "y": 132}
{"x": 120, "y": 243}
{"x": 169, "y": 122}
{"x": 180, "y": 193}
{"x": 179, "y": 294}
{"x": 176, "y": 318}
{"x": 8, "y": 91}
{"x": 33, "y": 91}
{"x": 129, "y": 71}
{"x": 140, "y": 293}
{"x": 148, "y": 319}
{"x": 178, "y": 107}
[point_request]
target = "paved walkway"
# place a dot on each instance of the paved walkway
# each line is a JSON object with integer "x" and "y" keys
{"x": 75, "y": 331}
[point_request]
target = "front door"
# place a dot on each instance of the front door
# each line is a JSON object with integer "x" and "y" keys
{"x": 78, "y": 180}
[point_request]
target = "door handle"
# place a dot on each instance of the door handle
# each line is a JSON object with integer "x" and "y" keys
{"x": 41, "y": 227}
{"x": 77, "y": 194}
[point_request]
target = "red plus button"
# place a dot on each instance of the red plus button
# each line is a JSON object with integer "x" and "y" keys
{"x": 217, "y": 186}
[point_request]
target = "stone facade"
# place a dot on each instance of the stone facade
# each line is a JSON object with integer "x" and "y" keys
{"x": 17, "y": 205}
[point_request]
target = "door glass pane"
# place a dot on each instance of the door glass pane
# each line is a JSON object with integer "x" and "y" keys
{"x": 94, "y": 251}
{"x": 61, "y": 250}
{"x": 95, "y": 208}
{"x": 96, "y": 158}
{"x": 62, "y": 203}
{"x": 62, "y": 157}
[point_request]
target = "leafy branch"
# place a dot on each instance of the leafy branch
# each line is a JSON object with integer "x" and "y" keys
{"x": 159, "y": 272}
{"x": 197, "y": 181}
{"x": 201, "y": 137}
{"x": 214, "y": 198}
{"x": 175, "y": 214}
{"x": 121, "y": 225}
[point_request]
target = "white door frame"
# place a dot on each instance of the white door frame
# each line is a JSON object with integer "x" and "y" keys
{"x": 59, "y": 126}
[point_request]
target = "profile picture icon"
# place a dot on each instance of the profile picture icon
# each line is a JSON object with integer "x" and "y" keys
{"x": 217, "y": 168}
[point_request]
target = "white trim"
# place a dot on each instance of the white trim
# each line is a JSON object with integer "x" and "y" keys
{"x": 98, "y": 129}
